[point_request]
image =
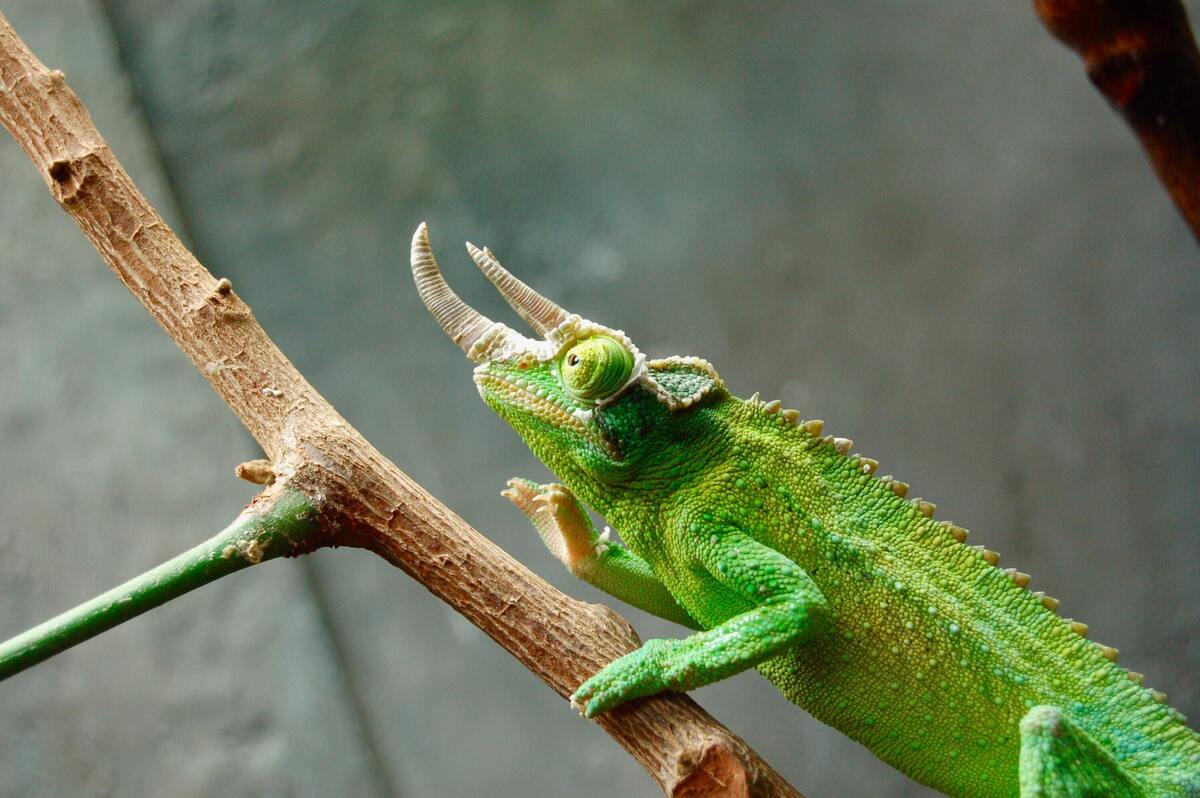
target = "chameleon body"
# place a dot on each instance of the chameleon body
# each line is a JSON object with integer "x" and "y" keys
{"x": 787, "y": 553}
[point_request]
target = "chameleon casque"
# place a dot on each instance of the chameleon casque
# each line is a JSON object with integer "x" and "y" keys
{"x": 790, "y": 555}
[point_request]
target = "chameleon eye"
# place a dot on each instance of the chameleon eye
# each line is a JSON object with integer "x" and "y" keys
{"x": 595, "y": 368}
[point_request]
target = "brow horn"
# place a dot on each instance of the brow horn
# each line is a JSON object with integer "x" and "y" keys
{"x": 542, "y": 314}
{"x": 460, "y": 321}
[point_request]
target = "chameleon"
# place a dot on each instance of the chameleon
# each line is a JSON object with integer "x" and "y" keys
{"x": 784, "y": 551}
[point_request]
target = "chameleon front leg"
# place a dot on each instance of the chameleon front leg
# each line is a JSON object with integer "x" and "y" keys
{"x": 785, "y": 608}
{"x": 1060, "y": 760}
{"x": 567, "y": 531}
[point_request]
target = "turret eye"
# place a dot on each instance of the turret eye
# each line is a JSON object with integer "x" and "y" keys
{"x": 596, "y": 368}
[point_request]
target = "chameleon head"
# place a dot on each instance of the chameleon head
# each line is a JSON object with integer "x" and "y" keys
{"x": 580, "y": 391}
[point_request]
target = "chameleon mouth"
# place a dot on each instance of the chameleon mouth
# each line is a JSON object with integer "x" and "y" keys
{"x": 521, "y": 394}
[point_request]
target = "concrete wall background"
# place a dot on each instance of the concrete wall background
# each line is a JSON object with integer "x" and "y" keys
{"x": 920, "y": 224}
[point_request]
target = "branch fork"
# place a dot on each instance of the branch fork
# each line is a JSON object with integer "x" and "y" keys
{"x": 328, "y": 486}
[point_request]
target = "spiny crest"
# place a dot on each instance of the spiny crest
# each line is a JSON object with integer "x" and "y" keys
{"x": 814, "y": 429}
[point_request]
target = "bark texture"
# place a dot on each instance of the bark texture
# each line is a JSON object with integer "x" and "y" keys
{"x": 1140, "y": 54}
{"x": 362, "y": 498}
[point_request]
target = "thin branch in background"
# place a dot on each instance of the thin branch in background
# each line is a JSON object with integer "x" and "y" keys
{"x": 357, "y": 497}
{"x": 1140, "y": 54}
{"x": 280, "y": 525}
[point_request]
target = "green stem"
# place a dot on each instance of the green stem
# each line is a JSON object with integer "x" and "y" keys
{"x": 284, "y": 528}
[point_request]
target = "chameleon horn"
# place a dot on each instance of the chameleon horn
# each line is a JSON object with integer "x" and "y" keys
{"x": 542, "y": 314}
{"x": 460, "y": 321}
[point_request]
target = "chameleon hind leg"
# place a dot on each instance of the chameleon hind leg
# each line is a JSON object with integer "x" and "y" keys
{"x": 1060, "y": 760}
{"x": 567, "y": 531}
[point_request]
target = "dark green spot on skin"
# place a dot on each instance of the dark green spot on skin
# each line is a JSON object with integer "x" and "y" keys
{"x": 741, "y": 483}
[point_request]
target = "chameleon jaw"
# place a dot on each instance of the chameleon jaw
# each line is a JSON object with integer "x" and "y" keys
{"x": 562, "y": 415}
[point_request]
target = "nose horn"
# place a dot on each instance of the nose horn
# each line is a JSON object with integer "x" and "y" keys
{"x": 542, "y": 314}
{"x": 460, "y": 321}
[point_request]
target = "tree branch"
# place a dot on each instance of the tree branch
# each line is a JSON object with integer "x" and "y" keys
{"x": 360, "y": 498}
{"x": 1140, "y": 54}
{"x": 278, "y": 524}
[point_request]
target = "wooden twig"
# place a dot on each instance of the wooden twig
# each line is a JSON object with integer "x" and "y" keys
{"x": 1140, "y": 54}
{"x": 361, "y": 498}
{"x": 277, "y": 524}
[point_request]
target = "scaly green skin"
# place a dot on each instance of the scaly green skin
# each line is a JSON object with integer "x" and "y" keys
{"x": 792, "y": 557}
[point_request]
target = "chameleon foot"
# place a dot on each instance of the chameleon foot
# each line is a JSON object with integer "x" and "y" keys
{"x": 638, "y": 673}
{"x": 559, "y": 518}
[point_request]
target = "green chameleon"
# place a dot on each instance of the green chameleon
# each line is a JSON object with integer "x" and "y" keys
{"x": 790, "y": 555}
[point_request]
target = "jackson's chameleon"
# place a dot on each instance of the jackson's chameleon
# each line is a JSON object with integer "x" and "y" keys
{"x": 789, "y": 554}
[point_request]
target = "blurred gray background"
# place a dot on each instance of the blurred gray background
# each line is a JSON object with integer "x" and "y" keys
{"x": 916, "y": 221}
